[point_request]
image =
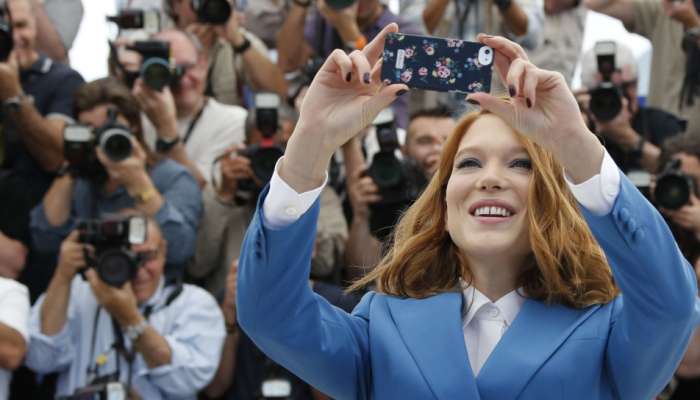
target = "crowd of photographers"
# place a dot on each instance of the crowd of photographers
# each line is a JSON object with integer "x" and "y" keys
{"x": 124, "y": 201}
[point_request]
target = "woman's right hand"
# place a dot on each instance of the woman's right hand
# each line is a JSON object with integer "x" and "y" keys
{"x": 344, "y": 97}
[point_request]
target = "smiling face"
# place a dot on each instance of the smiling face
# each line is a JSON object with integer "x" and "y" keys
{"x": 487, "y": 193}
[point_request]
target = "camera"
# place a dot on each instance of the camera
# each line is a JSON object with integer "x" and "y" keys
{"x": 215, "y": 12}
{"x": 606, "y": 99}
{"x": 673, "y": 187}
{"x": 79, "y": 142}
{"x": 133, "y": 18}
{"x": 99, "y": 391}
{"x": 156, "y": 69}
{"x": 6, "y": 41}
{"x": 340, "y": 4}
{"x": 399, "y": 180}
{"x": 114, "y": 261}
{"x": 264, "y": 155}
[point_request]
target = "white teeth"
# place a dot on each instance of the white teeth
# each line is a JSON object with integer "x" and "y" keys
{"x": 492, "y": 211}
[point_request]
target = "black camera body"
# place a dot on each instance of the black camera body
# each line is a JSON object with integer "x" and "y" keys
{"x": 79, "y": 142}
{"x": 340, "y": 4}
{"x": 673, "y": 187}
{"x": 156, "y": 69}
{"x": 214, "y": 12}
{"x": 263, "y": 156}
{"x": 606, "y": 99}
{"x": 7, "y": 43}
{"x": 134, "y": 18}
{"x": 399, "y": 180}
{"x": 114, "y": 261}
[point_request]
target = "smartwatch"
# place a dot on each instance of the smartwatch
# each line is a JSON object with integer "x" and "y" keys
{"x": 165, "y": 145}
{"x": 133, "y": 332}
{"x": 14, "y": 103}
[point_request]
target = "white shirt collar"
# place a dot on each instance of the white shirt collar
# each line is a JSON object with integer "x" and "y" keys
{"x": 509, "y": 305}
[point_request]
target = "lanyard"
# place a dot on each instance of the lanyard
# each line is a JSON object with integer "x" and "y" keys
{"x": 194, "y": 121}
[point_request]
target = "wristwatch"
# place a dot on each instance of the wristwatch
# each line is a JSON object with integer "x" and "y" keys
{"x": 243, "y": 47}
{"x": 165, "y": 145}
{"x": 503, "y": 5}
{"x": 133, "y": 332}
{"x": 636, "y": 153}
{"x": 357, "y": 44}
{"x": 14, "y": 103}
{"x": 144, "y": 196}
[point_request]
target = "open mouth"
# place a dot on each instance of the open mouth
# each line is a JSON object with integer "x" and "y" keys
{"x": 492, "y": 211}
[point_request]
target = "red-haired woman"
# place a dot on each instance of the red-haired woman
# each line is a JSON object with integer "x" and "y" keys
{"x": 530, "y": 267}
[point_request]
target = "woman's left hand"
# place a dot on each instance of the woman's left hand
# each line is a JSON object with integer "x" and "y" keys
{"x": 130, "y": 171}
{"x": 542, "y": 107}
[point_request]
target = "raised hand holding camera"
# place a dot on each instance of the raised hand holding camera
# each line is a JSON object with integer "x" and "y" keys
{"x": 71, "y": 258}
{"x": 159, "y": 107}
{"x": 344, "y": 97}
{"x": 543, "y": 108}
{"x": 120, "y": 302}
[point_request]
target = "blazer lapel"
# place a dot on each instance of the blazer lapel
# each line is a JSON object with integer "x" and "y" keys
{"x": 431, "y": 329}
{"x": 536, "y": 333}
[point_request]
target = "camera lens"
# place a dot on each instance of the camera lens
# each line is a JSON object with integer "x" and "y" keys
{"x": 672, "y": 191}
{"x": 216, "y": 12}
{"x": 115, "y": 267}
{"x": 385, "y": 170}
{"x": 116, "y": 144}
{"x": 263, "y": 162}
{"x": 155, "y": 73}
{"x": 6, "y": 42}
{"x": 606, "y": 102}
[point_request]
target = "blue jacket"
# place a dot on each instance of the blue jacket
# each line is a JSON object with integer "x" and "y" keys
{"x": 402, "y": 348}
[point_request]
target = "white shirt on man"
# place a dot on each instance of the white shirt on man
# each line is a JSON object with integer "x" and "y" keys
{"x": 485, "y": 322}
{"x": 215, "y": 129}
{"x": 14, "y": 312}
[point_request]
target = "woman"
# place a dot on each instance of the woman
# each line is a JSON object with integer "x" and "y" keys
{"x": 161, "y": 189}
{"x": 537, "y": 315}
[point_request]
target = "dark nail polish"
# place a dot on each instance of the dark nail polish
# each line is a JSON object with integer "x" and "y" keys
{"x": 529, "y": 103}
{"x": 365, "y": 77}
{"x": 511, "y": 90}
{"x": 348, "y": 77}
{"x": 401, "y": 92}
{"x": 472, "y": 101}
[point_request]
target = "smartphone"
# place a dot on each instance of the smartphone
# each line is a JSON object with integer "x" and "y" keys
{"x": 431, "y": 63}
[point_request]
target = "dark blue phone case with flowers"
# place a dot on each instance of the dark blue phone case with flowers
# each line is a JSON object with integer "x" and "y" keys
{"x": 445, "y": 65}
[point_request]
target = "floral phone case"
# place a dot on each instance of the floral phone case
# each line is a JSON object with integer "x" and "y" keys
{"x": 445, "y": 65}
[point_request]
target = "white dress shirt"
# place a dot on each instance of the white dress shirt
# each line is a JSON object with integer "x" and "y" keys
{"x": 14, "y": 313}
{"x": 484, "y": 322}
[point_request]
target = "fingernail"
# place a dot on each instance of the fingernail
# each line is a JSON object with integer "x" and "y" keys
{"x": 511, "y": 90}
{"x": 529, "y": 103}
{"x": 365, "y": 77}
{"x": 348, "y": 77}
{"x": 472, "y": 101}
{"x": 401, "y": 92}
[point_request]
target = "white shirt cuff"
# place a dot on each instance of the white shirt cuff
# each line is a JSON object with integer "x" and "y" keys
{"x": 598, "y": 194}
{"x": 283, "y": 205}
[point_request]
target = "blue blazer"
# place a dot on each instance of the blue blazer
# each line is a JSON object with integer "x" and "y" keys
{"x": 403, "y": 348}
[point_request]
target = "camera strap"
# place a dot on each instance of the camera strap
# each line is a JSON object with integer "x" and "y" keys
{"x": 194, "y": 121}
{"x": 462, "y": 15}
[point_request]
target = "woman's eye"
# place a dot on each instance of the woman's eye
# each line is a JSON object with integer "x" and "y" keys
{"x": 469, "y": 163}
{"x": 521, "y": 163}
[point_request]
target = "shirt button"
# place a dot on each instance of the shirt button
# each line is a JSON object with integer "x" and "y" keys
{"x": 291, "y": 211}
{"x": 493, "y": 312}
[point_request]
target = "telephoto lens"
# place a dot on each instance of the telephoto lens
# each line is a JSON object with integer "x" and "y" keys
{"x": 155, "y": 73}
{"x": 606, "y": 101}
{"x": 673, "y": 187}
{"x": 215, "y": 12}
{"x": 116, "y": 143}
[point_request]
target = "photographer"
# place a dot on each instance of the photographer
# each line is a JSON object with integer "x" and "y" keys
{"x": 158, "y": 340}
{"x": 631, "y": 133}
{"x": 235, "y": 55}
{"x": 36, "y": 96}
{"x": 664, "y": 23}
{"x": 183, "y": 123}
{"x": 685, "y": 149}
{"x": 427, "y": 132}
{"x": 327, "y": 28}
{"x": 161, "y": 189}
